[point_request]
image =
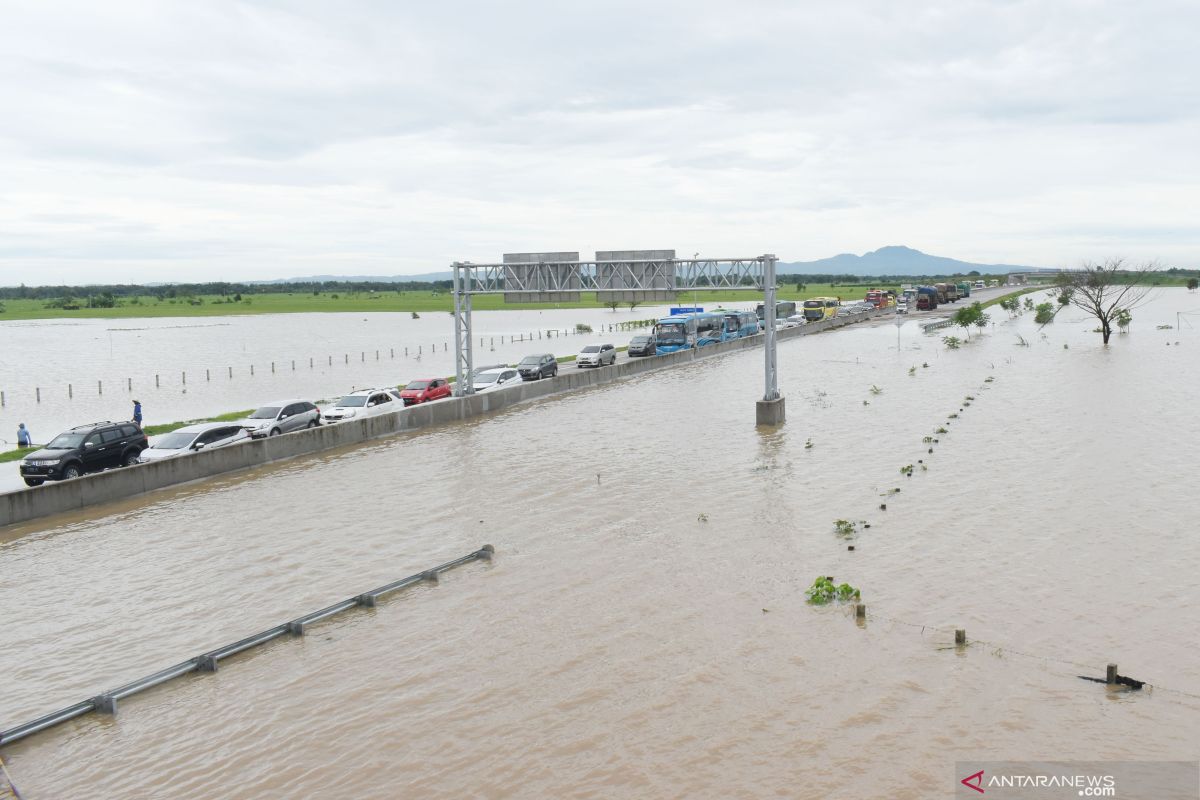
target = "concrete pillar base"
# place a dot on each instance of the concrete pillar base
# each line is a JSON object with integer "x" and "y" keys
{"x": 769, "y": 412}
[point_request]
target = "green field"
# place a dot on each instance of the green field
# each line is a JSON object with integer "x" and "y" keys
{"x": 420, "y": 302}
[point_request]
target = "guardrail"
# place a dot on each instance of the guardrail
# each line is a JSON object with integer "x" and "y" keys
{"x": 106, "y": 703}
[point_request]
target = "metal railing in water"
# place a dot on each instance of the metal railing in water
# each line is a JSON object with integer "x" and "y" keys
{"x": 106, "y": 702}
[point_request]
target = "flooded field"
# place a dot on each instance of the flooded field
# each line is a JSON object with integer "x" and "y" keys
{"x": 643, "y": 631}
{"x": 50, "y": 354}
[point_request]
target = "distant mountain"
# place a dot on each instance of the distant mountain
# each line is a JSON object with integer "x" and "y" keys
{"x": 894, "y": 260}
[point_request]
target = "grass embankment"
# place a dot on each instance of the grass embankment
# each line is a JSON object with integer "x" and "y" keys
{"x": 427, "y": 302}
{"x": 167, "y": 427}
{"x": 16, "y": 455}
{"x": 995, "y": 301}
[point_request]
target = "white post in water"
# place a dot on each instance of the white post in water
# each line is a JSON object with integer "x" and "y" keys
{"x": 769, "y": 410}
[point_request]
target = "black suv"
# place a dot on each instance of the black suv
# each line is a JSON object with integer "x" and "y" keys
{"x": 543, "y": 365}
{"x": 643, "y": 345}
{"x": 87, "y": 448}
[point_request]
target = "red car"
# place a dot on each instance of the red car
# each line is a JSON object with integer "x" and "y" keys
{"x": 424, "y": 391}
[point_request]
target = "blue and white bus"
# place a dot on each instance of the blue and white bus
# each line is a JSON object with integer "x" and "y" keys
{"x": 685, "y": 331}
{"x": 739, "y": 323}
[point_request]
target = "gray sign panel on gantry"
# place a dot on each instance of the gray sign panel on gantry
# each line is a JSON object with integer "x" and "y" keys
{"x": 624, "y": 276}
{"x": 542, "y": 277}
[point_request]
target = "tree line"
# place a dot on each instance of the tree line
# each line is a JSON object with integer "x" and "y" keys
{"x": 97, "y": 295}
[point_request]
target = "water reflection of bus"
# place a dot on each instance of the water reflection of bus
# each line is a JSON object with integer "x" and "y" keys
{"x": 685, "y": 331}
{"x": 738, "y": 323}
{"x": 819, "y": 308}
{"x": 783, "y": 310}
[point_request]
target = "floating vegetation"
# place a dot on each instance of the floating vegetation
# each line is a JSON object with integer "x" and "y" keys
{"x": 845, "y": 527}
{"x": 912, "y": 370}
{"x": 988, "y": 379}
{"x": 875, "y": 389}
{"x": 951, "y": 342}
{"x": 1065, "y": 346}
{"x": 941, "y": 430}
{"x": 824, "y": 591}
{"x": 968, "y": 398}
{"x": 907, "y": 469}
{"x": 808, "y": 444}
{"x": 702, "y": 517}
{"x": 927, "y": 440}
{"x": 954, "y": 416}
{"x": 865, "y": 403}
{"x": 582, "y": 328}
{"x": 1163, "y": 327}
{"x": 1022, "y": 341}
{"x": 925, "y": 365}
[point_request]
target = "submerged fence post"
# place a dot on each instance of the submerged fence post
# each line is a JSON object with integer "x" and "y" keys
{"x": 860, "y": 611}
{"x": 70, "y": 392}
{"x": 207, "y": 375}
{"x": 1110, "y": 677}
{"x": 38, "y": 392}
{"x": 156, "y": 380}
{"x": 251, "y": 369}
{"x": 129, "y": 384}
{"x": 960, "y": 636}
{"x": 184, "y": 377}
{"x": 231, "y": 373}
{"x": 100, "y": 387}
{"x": 272, "y": 366}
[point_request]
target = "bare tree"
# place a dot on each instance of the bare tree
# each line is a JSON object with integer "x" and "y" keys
{"x": 1105, "y": 290}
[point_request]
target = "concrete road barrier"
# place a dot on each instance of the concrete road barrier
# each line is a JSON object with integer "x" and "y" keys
{"x": 66, "y": 496}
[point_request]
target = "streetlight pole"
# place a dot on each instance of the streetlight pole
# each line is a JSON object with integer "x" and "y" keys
{"x": 769, "y": 410}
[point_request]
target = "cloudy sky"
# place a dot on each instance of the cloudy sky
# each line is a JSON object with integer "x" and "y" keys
{"x": 163, "y": 140}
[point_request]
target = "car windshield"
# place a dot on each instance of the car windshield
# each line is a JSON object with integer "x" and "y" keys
{"x": 639, "y": 340}
{"x": 353, "y": 401}
{"x": 531, "y": 361}
{"x": 418, "y": 385}
{"x": 487, "y": 377}
{"x": 174, "y": 441}
{"x": 66, "y": 441}
{"x": 270, "y": 412}
{"x": 591, "y": 348}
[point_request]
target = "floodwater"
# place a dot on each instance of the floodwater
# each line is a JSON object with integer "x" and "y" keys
{"x": 91, "y": 369}
{"x": 643, "y": 631}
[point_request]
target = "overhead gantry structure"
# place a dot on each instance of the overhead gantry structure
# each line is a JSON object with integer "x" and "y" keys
{"x": 615, "y": 276}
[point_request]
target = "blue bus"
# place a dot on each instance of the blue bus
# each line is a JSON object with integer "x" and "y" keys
{"x": 746, "y": 321}
{"x": 685, "y": 331}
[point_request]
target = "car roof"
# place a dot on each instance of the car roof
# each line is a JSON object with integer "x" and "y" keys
{"x": 201, "y": 427}
{"x": 283, "y": 402}
{"x": 91, "y": 425}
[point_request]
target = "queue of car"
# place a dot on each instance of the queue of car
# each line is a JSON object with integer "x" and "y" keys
{"x": 104, "y": 445}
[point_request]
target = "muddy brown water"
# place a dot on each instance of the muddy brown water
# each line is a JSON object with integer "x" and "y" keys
{"x": 643, "y": 631}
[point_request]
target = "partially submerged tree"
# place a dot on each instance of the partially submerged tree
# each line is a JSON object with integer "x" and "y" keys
{"x": 1105, "y": 290}
{"x": 1192, "y": 284}
{"x": 968, "y": 316}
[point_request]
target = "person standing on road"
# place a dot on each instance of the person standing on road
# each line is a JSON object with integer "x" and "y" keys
{"x": 23, "y": 437}
{"x": 137, "y": 413}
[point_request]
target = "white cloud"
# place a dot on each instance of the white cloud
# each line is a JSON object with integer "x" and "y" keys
{"x": 236, "y": 140}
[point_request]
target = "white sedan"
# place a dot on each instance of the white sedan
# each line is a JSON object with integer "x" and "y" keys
{"x": 192, "y": 438}
{"x": 493, "y": 379}
{"x": 363, "y": 403}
